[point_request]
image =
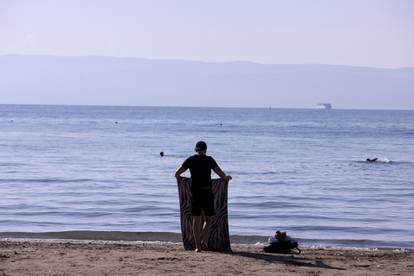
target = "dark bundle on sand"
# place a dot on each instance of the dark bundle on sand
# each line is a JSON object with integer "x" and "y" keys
{"x": 282, "y": 243}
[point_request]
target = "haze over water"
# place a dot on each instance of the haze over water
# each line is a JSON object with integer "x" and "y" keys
{"x": 300, "y": 170}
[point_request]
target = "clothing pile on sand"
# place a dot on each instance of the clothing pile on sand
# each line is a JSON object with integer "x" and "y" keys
{"x": 282, "y": 243}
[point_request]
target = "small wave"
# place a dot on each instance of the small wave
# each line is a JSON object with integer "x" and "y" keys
{"x": 166, "y": 154}
{"x": 347, "y": 243}
{"x": 74, "y": 214}
{"x": 381, "y": 161}
{"x": 43, "y": 180}
{"x": 349, "y": 229}
{"x": 10, "y": 164}
{"x": 265, "y": 204}
{"x": 97, "y": 235}
{"x": 249, "y": 173}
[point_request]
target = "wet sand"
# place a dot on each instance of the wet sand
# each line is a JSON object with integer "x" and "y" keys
{"x": 45, "y": 257}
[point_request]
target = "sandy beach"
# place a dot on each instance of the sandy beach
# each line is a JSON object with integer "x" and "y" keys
{"x": 60, "y": 257}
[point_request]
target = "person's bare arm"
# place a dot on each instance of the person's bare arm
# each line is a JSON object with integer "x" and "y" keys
{"x": 220, "y": 173}
{"x": 179, "y": 171}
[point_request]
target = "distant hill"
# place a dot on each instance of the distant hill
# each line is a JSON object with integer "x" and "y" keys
{"x": 135, "y": 81}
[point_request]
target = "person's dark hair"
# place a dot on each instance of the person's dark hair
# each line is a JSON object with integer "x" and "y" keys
{"x": 200, "y": 146}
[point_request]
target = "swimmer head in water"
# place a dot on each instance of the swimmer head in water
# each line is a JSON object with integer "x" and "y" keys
{"x": 372, "y": 160}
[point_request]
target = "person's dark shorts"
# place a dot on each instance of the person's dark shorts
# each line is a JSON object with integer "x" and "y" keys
{"x": 202, "y": 201}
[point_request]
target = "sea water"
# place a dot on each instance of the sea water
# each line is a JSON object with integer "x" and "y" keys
{"x": 297, "y": 170}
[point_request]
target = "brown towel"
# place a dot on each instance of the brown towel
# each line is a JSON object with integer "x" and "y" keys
{"x": 218, "y": 238}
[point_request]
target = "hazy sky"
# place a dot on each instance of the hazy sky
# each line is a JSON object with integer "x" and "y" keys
{"x": 377, "y": 33}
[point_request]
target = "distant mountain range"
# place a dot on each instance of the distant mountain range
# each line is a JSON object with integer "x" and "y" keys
{"x": 135, "y": 81}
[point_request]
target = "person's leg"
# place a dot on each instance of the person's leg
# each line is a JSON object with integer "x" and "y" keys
{"x": 208, "y": 208}
{"x": 196, "y": 211}
{"x": 206, "y": 230}
{"x": 197, "y": 230}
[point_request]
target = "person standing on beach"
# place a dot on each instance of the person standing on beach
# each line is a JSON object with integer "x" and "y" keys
{"x": 200, "y": 165}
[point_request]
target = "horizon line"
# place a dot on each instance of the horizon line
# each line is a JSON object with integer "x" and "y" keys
{"x": 211, "y": 107}
{"x": 206, "y": 62}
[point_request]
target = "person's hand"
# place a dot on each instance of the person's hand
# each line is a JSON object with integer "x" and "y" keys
{"x": 227, "y": 177}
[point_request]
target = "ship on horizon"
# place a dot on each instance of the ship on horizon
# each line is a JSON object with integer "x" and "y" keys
{"x": 324, "y": 105}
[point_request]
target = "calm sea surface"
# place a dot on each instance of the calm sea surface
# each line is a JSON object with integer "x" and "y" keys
{"x": 303, "y": 171}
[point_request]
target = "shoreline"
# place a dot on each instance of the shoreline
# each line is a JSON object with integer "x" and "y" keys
{"x": 65, "y": 257}
{"x": 170, "y": 237}
{"x": 258, "y": 246}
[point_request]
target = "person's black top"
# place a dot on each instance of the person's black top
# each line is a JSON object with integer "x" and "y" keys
{"x": 200, "y": 168}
